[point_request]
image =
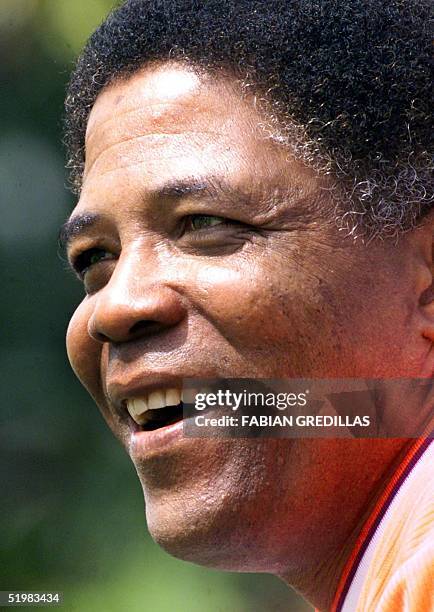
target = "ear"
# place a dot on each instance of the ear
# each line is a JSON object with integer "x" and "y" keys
{"x": 426, "y": 300}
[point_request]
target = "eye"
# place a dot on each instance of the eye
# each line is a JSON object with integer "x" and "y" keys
{"x": 83, "y": 262}
{"x": 195, "y": 223}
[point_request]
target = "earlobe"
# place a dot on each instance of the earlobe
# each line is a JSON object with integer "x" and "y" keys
{"x": 426, "y": 300}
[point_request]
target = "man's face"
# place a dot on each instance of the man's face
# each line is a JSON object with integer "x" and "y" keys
{"x": 208, "y": 251}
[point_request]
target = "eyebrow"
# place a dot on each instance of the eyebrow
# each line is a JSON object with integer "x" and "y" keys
{"x": 180, "y": 189}
{"x": 215, "y": 187}
{"x": 75, "y": 226}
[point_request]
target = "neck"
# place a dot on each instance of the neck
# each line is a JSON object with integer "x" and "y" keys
{"x": 344, "y": 516}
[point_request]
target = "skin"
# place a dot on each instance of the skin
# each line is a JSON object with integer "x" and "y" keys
{"x": 278, "y": 294}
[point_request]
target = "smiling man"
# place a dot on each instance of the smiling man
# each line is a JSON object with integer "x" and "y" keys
{"x": 255, "y": 192}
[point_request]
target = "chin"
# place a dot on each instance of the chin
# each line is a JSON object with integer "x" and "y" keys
{"x": 198, "y": 527}
{"x": 209, "y": 544}
{"x": 195, "y": 540}
{"x": 215, "y": 529}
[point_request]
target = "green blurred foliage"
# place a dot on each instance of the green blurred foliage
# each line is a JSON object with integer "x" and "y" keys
{"x": 72, "y": 508}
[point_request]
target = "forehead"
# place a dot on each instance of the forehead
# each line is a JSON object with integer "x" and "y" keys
{"x": 167, "y": 122}
{"x": 157, "y": 106}
{"x": 163, "y": 83}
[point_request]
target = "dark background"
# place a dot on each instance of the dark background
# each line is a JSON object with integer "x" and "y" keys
{"x": 72, "y": 509}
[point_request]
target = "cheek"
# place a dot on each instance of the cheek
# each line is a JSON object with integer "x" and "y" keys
{"x": 254, "y": 302}
{"x": 276, "y": 315}
{"x": 84, "y": 353}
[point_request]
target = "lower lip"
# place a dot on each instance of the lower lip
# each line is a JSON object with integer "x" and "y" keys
{"x": 143, "y": 443}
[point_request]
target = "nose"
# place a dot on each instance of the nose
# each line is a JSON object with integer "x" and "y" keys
{"x": 131, "y": 306}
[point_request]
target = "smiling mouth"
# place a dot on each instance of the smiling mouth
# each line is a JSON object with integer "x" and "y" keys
{"x": 156, "y": 410}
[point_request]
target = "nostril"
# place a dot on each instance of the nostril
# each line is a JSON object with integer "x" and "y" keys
{"x": 145, "y": 326}
{"x": 101, "y": 337}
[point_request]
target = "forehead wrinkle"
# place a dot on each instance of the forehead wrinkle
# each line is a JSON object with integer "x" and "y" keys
{"x": 111, "y": 138}
{"x": 106, "y": 150}
{"x": 143, "y": 115}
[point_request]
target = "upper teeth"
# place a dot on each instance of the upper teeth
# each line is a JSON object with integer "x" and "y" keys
{"x": 137, "y": 407}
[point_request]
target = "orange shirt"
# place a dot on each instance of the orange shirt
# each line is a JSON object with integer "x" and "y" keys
{"x": 392, "y": 566}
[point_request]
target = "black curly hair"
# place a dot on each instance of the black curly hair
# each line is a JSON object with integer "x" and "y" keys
{"x": 349, "y": 80}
